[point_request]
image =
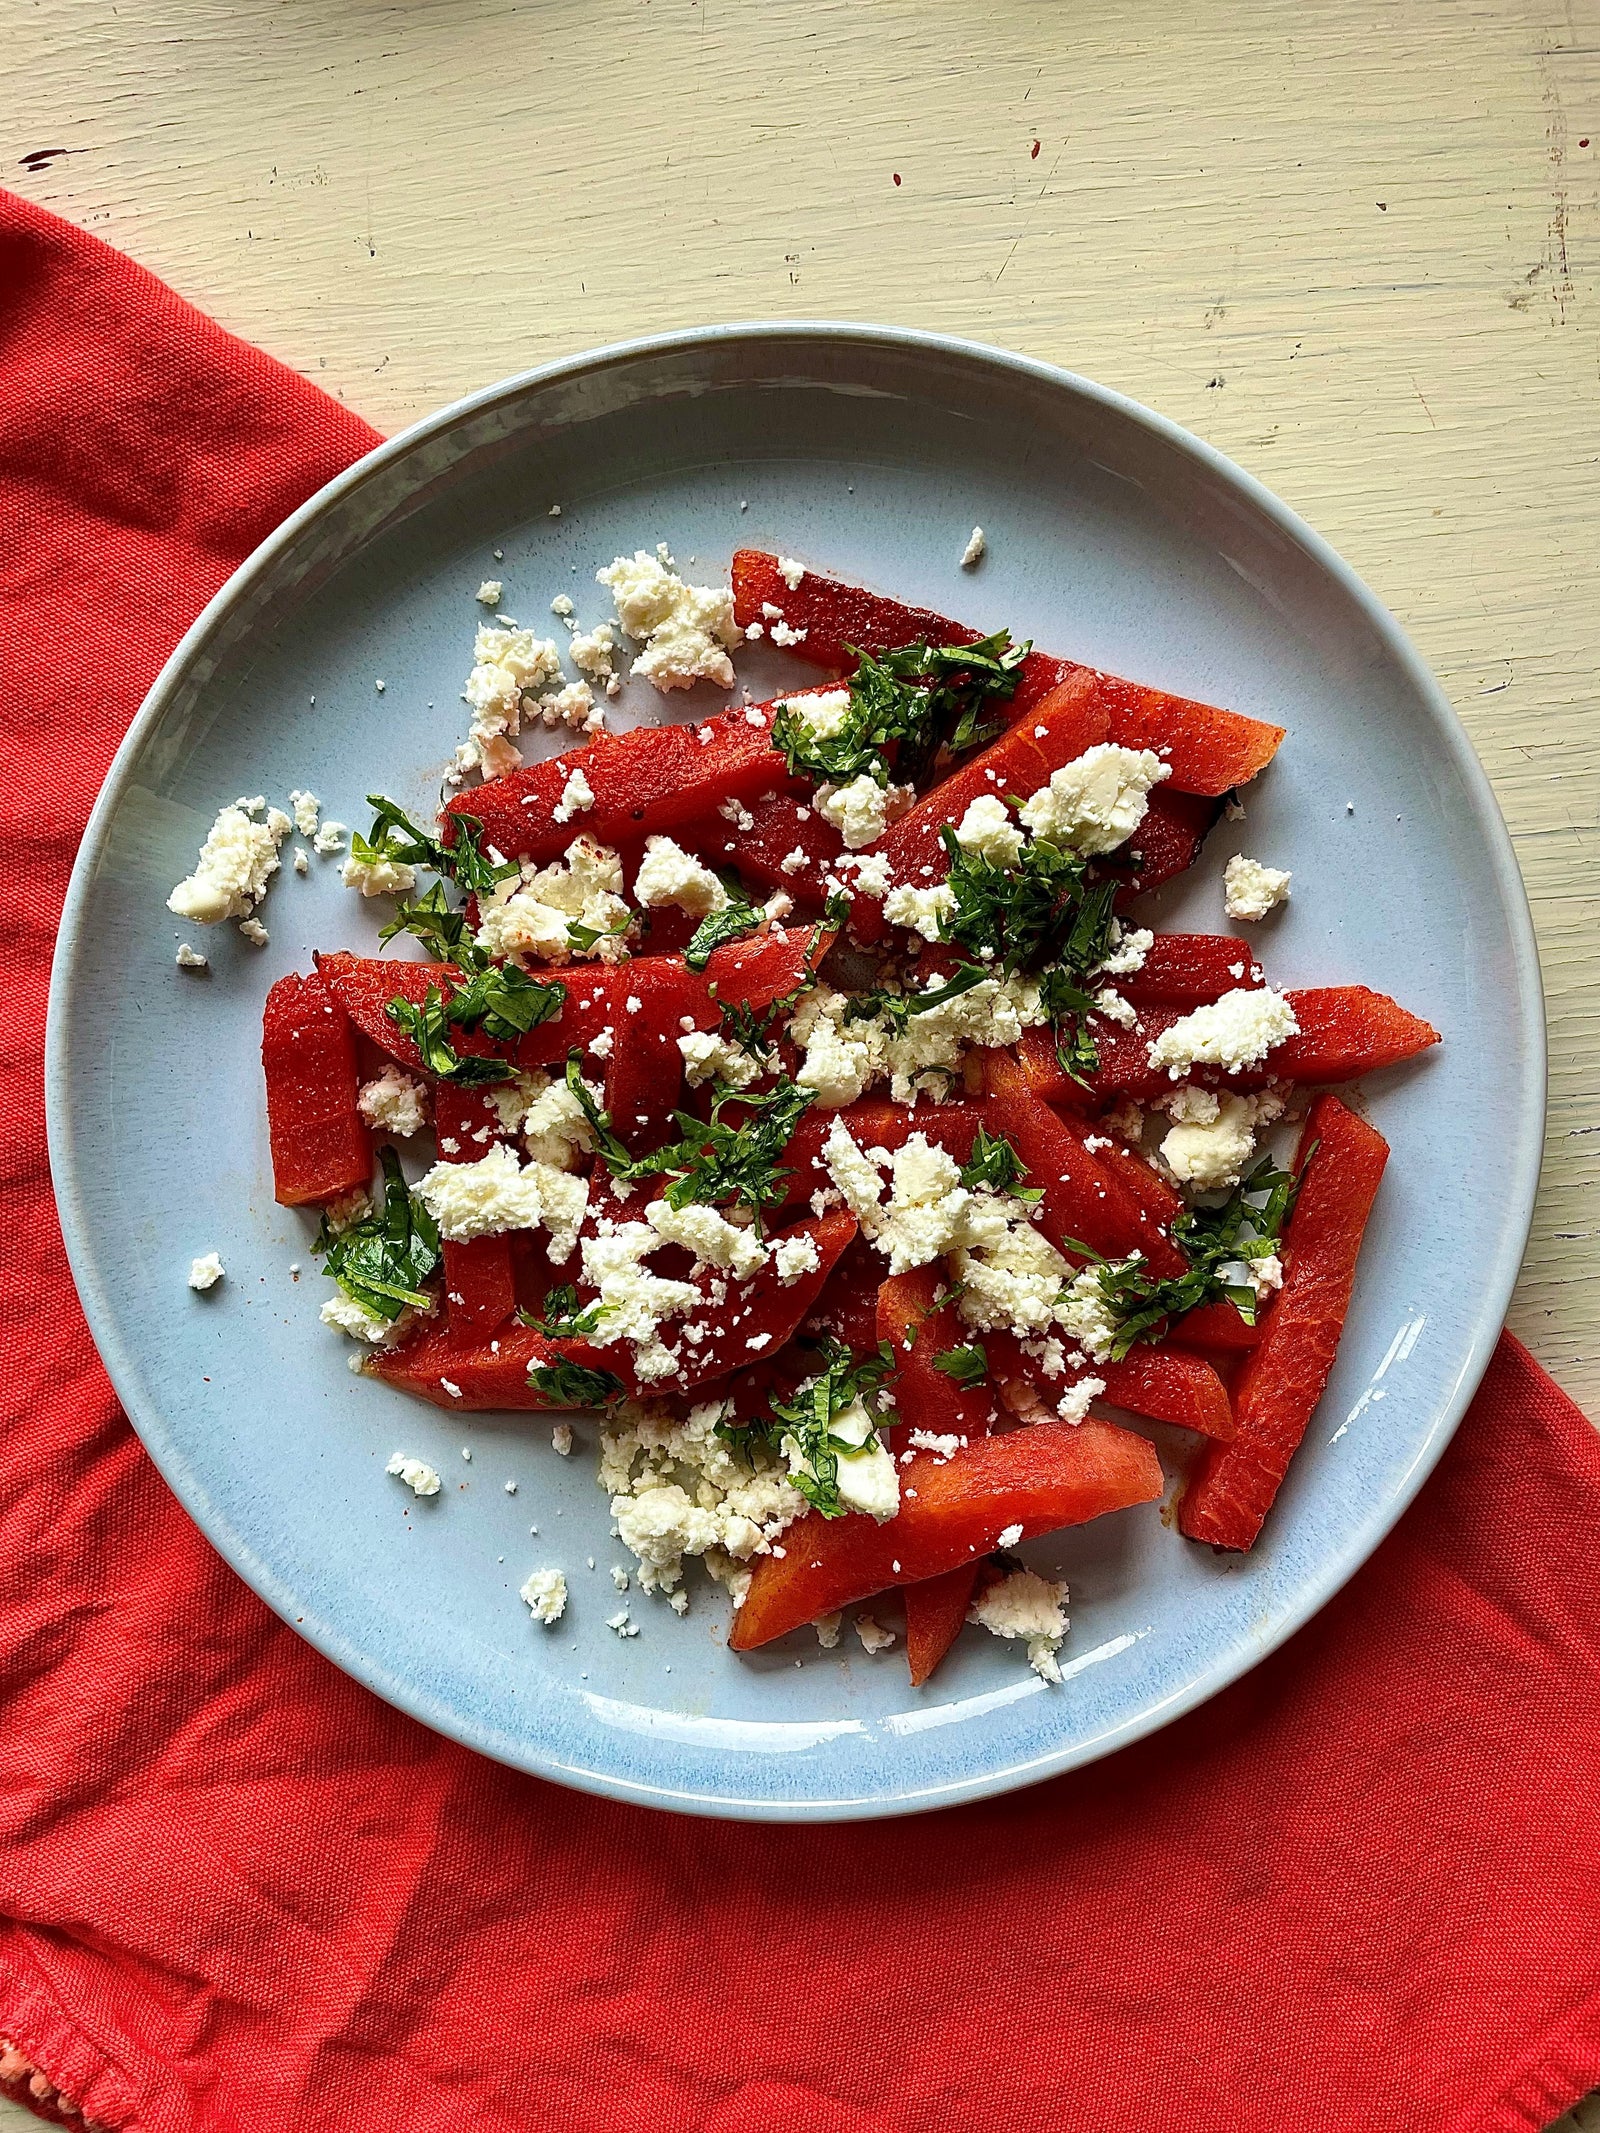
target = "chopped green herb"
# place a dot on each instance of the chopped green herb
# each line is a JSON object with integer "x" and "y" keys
{"x": 395, "y": 836}
{"x": 583, "y": 937}
{"x": 996, "y": 1164}
{"x": 566, "y": 1384}
{"x": 737, "y": 917}
{"x": 441, "y": 925}
{"x": 1216, "y": 1241}
{"x": 715, "y": 1163}
{"x": 562, "y": 1318}
{"x": 499, "y": 999}
{"x": 804, "y": 1425}
{"x": 751, "y": 1028}
{"x": 383, "y": 1260}
{"x": 923, "y": 700}
{"x": 967, "y": 1366}
{"x": 897, "y": 1008}
{"x": 617, "y": 1159}
{"x": 428, "y": 1027}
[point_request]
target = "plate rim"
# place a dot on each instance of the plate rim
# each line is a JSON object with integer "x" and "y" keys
{"x": 1527, "y": 1136}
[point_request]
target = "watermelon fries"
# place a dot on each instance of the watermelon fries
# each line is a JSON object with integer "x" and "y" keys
{"x": 809, "y": 1104}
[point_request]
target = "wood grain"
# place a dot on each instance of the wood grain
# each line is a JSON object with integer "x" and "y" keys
{"x": 1354, "y": 246}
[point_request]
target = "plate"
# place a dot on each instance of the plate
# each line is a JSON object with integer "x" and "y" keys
{"x": 1113, "y": 537}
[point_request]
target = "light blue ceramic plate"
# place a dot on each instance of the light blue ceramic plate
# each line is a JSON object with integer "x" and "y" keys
{"x": 1114, "y": 537}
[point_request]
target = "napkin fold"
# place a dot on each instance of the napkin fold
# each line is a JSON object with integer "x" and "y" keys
{"x": 1357, "y": 1890}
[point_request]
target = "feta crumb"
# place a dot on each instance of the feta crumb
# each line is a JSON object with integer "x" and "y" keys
{"x": 1028, "y": 1606}
{"x": 330, "y": 839}
{"x": 190, "y": 958}
{"x": 591, "y": 652}
{"x": 530, "y": 914}
{"x": 795, "y": 1257}
{"x": 687, "y": 630}
{"x": 1097, "y": 801}
{"x": 491, "y": 592}
{"x": 302, "y": 865}
{"x": 988, "y": 829}
{"x": 920, "y": 910}
{"x": 236, "y": 862}
{"x": 791, "y": 572}
{"x": 1008, "y": 1536}
{"x": 562, "y": 605}
{"x": 345, "y": 1315}
{"x": 859, "y": 811}
{"x": 872, "y": 876}
{"x": 827, "y": 1628}
{"x": 561, "y": 1439}
{"x": 1250, "y": 890}
{"x": 497, "y": 1193}
{"x": 621, "y": 1623}
{"x": 874, "y": 1638}
{"x": 418, "y": 1477}
{"x": 205, "y": 1273}
{"x": 254, "y": 932}
{"x": 783, "y": 634}
{"x": 376, "y": 877}
{"x": 941, "y": 1445}
{"x": 1130, "y": 945}
{"x": 1233, "y": 1033}
{"x": 1110, "y": 1003}
{"x": 1076, "y": 1401}
{"x": 977, "y": 547}
{"x": 397, "y": 1103}
{"x": 546, "y": 1594}
{"x": 577, "y": 797}
{"x": 305, "y": 807}
{"x": 669, "y": 875}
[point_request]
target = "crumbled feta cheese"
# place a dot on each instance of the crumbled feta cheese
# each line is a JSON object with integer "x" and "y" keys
{"x": 305, "y": 807}
{"x": 822, "y": 714}
{"x": 1076, "y": 1401}
{"x": 1233, "y": 1033}
{"x": 236, "y": 862}
{"x": 1008, "y": 1536}
{"x": 1096, "y": 802}
{"x": 679, "y": 1489}
{"x": 922, "y": 910}
{"x": 977, "y": 547}
{"x": 418, "y": 1477}
{"x": 577, "y": 797}
{"x": 859, "y": 811}
{"x": 562, "y": 605}
{"x": 622, "y": 1624}
{"x": 1130, "y": 945}
{"x": 574, "y": 706}
{"x": 546, "y": 1594}
{"x": 687, "y": 630}
{"x": 942, "y": 1446}
{"x": 592, "y": 652}
{"x": 1085, "y": 1316}
{"x": 555, "y": 1130}
{"x": 988, "y": 830}
{"x": 205, "y": 1273}
{"x": 713, "y": 1240}
{"x": 783, "y": 633}
{"x": 397, "y": 1103}
{"x": 791, "y": 572}
{"x": 330, "y": 839}
{"x": 190, "y": 958}
{"x": 254, "y": 932}
{"x": 1028, "y": 1606}
{"x": 509, "y": 664}
{"x": 669, "y": 875}
{"x": 491, "y": 592}
{"x": 498, "y": 1193}
{"x": 561, "y": 1439}
{"x": 708, "y": 1057}
{"x": 635, "y": 1303}
{"x": 345, "y": 1315}
{"x": 873, "y": 1637}
{"x": 1212, "y": 1137}
{"x": 531, "y": 914}
{"x": 795, "y": 1257}
{"x": 827, "y": 1628}
{"x": 872, "y": 875}
{"x": 378, "y": 877}
{"x": 1251, "y": 890}
{"x": 868, "y": 1479}
{"x": 302, "y": 865}
{"x": 1110, "y": 1003}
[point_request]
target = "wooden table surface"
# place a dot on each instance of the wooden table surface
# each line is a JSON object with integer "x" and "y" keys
{"x": 1355, "y": 246}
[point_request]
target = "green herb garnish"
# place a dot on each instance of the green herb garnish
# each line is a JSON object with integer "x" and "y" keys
{"x": 996, "y": 1164}
{"x": 966, "y": 1366}
{"x": 715, "y": 1163}
{"x": 921, "y": 699}
{"x": 394, "y": 836}
{"x": 751, "y": 1028}
{"x": 1247, "y": 1226}
{"x": 567, "y": 1384}
{"x": 499, "y": 1000}
{"x": 737, "y": 917}
{"x": 383, "y": 1260}
{"x": 803, "y": 1426}
{"x": 562, "y": 1317}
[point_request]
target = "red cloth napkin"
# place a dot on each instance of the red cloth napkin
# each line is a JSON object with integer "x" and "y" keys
{"x": 1358, "y": 1890}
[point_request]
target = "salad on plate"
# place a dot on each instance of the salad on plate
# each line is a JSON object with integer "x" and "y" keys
{"x": 796, "y": 1092}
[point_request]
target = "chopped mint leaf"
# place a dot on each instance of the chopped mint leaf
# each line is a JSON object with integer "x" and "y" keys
{"x": 383, "y": 1260}
{"x": 967, "y": 1366}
